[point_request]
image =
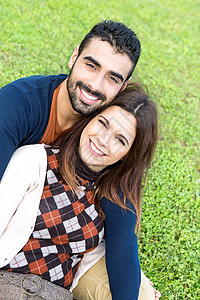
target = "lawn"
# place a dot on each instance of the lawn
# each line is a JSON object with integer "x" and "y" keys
{"x": 38, "y": 37}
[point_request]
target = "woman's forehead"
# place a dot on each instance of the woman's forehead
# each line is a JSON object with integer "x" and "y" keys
{"x": 120, "y": 119}
{"x": 115, "y": 113}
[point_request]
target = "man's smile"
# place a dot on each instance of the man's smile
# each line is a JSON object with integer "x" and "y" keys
{"x": 87, "y": 97}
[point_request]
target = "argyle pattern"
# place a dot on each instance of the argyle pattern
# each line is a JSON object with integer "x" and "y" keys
{"x": 67, "y": 226}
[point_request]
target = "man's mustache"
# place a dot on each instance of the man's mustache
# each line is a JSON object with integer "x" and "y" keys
{"x": 88, "y": 90}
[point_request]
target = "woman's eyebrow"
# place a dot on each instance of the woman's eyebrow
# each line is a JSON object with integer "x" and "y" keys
{"x": 122, "y": 136}
{"x": 106, "y": 120}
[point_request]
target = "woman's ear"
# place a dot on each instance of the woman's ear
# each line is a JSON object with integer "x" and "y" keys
{"x": 73, "y": 57}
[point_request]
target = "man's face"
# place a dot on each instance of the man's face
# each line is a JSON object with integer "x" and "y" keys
{"x": 96, "y": 76}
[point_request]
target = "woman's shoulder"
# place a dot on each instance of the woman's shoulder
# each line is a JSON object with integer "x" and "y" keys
{"x": 28, "y": 160}
{"x": 28, "y": 151}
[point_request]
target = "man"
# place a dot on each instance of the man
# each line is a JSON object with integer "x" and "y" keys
{"x": 38, "y": 108}
{"x": 101, "y": 68}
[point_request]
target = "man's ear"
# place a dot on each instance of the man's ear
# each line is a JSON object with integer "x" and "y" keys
{"x": 125, "y": 84}
{"x": 73, "y": 57}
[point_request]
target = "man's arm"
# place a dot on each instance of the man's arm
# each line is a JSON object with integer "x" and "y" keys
{"x": 122, "y": 260}
{"x": 14, "y": 120}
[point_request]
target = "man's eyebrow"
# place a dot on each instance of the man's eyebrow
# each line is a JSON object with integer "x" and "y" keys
{"x": 121, "y": 78}
{"x": 94, "y": 61}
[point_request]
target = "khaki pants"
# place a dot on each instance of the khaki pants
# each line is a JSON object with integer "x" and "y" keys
{"x": 94, "y": 285}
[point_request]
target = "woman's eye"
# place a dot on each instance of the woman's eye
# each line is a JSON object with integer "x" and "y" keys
{"x": 120, "y": 140}
{"x": 103, "y": 123}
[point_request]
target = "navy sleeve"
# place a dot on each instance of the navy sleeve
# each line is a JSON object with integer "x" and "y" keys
{"x": 122, "y": 259}
{"x": 24, "y": 112}
{"x": 14, "y": 120}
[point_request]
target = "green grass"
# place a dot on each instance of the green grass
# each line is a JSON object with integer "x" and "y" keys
{"x": 38, "y": 37}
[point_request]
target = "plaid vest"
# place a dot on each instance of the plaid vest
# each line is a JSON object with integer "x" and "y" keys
{"x": 67, "y": 226}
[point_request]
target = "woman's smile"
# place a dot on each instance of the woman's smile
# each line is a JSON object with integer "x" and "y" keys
{"x": 94, "y": 149}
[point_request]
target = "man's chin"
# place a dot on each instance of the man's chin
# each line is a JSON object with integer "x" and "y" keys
{"x": 83, "y": 109}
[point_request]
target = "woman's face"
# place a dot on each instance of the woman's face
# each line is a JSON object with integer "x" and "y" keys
{"x": 107, "y": 138}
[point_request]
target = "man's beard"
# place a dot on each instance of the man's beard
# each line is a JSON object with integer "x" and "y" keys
{"x": 77, "y": 104}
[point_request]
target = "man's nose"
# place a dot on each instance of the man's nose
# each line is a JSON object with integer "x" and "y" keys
{"x": 95, "y": 83}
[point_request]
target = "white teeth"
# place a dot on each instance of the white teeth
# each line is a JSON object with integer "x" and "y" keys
{"x": 95, "y": 149}
{"x": 88, "y": 96}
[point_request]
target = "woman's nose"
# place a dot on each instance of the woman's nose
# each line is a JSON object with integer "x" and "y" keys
{"x": 105, "y": 138}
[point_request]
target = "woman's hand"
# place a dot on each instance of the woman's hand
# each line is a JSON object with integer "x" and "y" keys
{"x": 157, "y": 293}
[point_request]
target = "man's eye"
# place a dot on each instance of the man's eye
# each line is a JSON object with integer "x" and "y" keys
{"x": 114, "y": 79}
{"x": 103, "y": 123}
{"x": 90, "y": 65}
{"x": 120, "y": 140}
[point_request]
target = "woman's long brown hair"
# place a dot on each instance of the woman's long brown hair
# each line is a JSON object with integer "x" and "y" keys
{"x": 129, "y": 173}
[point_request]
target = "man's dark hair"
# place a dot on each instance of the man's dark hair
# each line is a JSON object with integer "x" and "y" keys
{"x": 119, "y": 36}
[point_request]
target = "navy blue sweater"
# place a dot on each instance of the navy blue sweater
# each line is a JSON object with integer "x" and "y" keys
{"x": 122, "y": 260}
{"x": 24, "y": 113}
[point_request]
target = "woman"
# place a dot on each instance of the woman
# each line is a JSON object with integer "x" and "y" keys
{"x": 102, "y": 157}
